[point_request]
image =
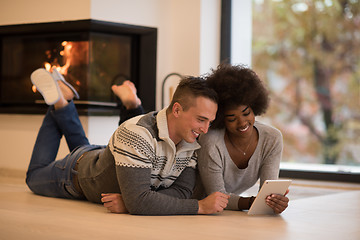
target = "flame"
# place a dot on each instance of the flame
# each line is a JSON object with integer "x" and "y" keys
{"x": 47, "y": 66}
{"x": 73, "y": 53}
{"x": 67, "y": 54}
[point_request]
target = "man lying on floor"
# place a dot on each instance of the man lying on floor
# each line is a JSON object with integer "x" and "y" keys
{"x": 149, "y": 161}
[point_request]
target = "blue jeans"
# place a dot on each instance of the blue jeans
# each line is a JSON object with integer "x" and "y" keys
{"x": 47, "y": 176}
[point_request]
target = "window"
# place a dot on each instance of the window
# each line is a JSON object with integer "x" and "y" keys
{"x": 308, "y": 53}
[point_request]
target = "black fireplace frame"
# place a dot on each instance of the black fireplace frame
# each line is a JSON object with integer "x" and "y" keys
{"x": 143, "y": 65}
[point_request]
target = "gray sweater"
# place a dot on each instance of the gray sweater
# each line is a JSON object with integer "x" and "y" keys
{"x": 219, "y": 173}
{"x": 154, "y": 176}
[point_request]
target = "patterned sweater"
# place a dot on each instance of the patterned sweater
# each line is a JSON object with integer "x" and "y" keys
{"x": 154, "y": 176}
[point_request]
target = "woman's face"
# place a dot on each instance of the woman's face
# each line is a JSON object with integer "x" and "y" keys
{"x": 240, "y": 121}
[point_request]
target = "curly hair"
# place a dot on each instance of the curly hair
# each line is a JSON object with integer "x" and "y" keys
{"x": 237, "y": 85}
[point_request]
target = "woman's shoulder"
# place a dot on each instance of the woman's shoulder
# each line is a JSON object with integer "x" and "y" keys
{"x": 212, "y": 136}
{"x": 268, "y": 130}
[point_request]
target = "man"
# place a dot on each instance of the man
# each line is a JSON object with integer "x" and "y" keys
{"x": 150, "y": 159}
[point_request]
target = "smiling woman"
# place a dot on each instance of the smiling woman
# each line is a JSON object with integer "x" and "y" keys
{"x": 238, "y": 150}
{"x": 239, "y": 122}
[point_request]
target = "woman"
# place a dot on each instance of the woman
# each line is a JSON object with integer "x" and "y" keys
{"x": 240, "y": 150}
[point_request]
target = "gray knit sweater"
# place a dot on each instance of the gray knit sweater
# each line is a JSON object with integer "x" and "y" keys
{"x": 219, "y": 173}
{"x": 141, "y": 162}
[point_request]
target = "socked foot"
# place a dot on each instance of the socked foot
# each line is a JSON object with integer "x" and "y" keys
{"x": 66, "y": 91}
{"x": 46, "y": 85}
{"x": 49, "y": 88}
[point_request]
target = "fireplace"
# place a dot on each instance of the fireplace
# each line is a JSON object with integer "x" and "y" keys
{"x": 91, "y": 54}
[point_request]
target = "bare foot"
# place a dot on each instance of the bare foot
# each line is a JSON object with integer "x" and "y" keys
{"x": 127, "y": 94}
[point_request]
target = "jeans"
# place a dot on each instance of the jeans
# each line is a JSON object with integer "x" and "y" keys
{"x": 47, "y": 176}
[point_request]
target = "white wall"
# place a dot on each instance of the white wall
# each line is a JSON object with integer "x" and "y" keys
{"x": 23, "y": 11}
{"x": 187, "y": 43}
{"x": 209, "y": 35}
{"x": 188, "y": 31}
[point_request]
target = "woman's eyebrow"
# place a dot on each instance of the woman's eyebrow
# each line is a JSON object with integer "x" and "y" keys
{"x": 231, "y": 115}
{"x": 245, "y": 109}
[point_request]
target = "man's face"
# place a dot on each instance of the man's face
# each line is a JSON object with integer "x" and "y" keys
{"x": 196, "y": 119}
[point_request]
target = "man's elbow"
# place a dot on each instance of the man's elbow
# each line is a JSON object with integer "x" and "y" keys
{"x": 142, "y": 206}
{"x": 141, "y": 210}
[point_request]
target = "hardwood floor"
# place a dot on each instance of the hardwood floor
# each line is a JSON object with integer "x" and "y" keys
{"x": 314, "y": 210}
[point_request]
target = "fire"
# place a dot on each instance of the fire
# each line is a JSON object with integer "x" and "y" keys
{"x": 66, "y": 53}
{"x": 47, "y": 66}
{"x": 72, "y": 54}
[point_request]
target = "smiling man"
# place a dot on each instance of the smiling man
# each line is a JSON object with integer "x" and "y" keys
{"x": 148, "y": 166}
{"x": 155, "y": 154}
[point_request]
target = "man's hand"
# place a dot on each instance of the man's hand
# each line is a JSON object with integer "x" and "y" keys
{"x": 215, "y": 202}
{"x": 278, "y": 202}
{"x": 113, "y": 202}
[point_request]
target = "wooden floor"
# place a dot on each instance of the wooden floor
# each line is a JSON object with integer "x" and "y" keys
{"x": 317, "y": 210}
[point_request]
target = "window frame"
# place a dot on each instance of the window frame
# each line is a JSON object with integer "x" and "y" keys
{"x": 226, "y": 56}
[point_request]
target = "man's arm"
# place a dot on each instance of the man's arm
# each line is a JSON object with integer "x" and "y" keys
{"x": 140, "y": 199}
{"x": 180, "y": 189}
{"x": 183, "y": 186}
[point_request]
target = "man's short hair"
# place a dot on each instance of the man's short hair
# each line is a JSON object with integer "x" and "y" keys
{"x": 190, "y": 88}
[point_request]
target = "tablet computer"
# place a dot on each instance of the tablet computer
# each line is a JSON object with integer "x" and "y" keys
{"x": 259, "y": 205}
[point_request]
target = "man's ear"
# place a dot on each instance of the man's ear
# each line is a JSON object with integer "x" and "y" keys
{"x": 176, "y": 109}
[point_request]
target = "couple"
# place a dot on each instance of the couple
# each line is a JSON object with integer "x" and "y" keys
{"x": 151, "y": 159}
